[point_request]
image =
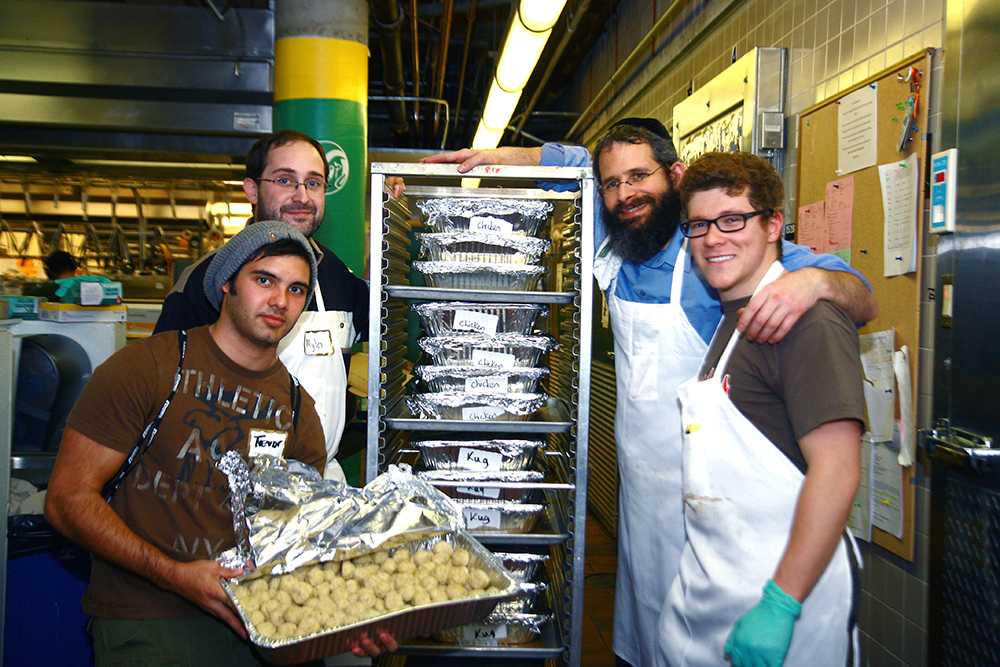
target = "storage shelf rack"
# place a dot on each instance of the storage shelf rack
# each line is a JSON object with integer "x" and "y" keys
{"x": 563, "y": 423}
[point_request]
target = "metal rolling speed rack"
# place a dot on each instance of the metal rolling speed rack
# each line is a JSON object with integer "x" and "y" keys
{"x": 556, "y": 415}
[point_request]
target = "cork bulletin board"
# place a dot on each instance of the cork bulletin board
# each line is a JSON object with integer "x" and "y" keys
{"x": 898, "y": 296}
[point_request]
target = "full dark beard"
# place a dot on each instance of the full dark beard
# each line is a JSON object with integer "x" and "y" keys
{"x": 637, "y": 243}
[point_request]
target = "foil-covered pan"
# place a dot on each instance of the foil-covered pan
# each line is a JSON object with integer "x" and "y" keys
{"x": 530, "y": 598}
{"x": 482, "y": 248}
{"x": 496, "y": 630}
{"x": 498, "y": 216}
{"x": 481, "y": 380}
{"x": 420, "y": 619}
{"x": 523, "y": 566}
{"x": 445, "y": 318}
{"x": 476, "y": 407}
{"x": 475, "y": 485}
{"x": 502, "y": 351}
{"x": 490, "y": 516}
{"x": 475, "y": 276}
{"x": 478, "y": 454}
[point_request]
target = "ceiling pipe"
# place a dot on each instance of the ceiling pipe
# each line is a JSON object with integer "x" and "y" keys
{"x": 416, "y": 64}
{"x": 640, "y": 48}
{"x": 470, "y": 19}
{"x": 442, "y": 63}
{"x": 389, "y": 20}
{"x": 571, "y": 26}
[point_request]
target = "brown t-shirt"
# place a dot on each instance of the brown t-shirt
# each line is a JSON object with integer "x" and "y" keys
{"x": 813, "y": 376}
{"x": 175, "y": 498}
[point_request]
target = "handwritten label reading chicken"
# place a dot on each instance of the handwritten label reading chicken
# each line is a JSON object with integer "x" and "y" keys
{"x": 468, "y": 320}
{"x": 487, "y": 384}
{"x": 481, "y": 413}
{"x": 489, "y": 224}
{"x": 493, "y": 359}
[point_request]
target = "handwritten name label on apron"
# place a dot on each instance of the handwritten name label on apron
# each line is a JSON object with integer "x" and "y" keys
{"x": 480, "y": 491}
{"x": 481, "y": 413}
{"x": 467, "y": 320}
{"x": 476, "y": 518}
{"x": 267, "y": 443}
{"x": 91, "y": 294}
{"x": 489, "y": 224}
{"x": 317, "y": 343}
{"x": 484, "y": 634}
{"x": 493, "y": 359}
{"x": 477, "y": 459}
{"x": 487, "y": 384}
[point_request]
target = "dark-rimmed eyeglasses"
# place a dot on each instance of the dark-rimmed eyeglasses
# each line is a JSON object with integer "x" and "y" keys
{"x": 312, "y": 184}
{"x": 728, "y": 223}
{"x": 633, "y": 179}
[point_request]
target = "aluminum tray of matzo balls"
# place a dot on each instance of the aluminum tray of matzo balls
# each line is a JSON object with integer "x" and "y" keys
{"x": 414, "y": 589}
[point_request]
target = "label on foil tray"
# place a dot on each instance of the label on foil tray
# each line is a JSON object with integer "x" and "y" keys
{"x": 468, "y": 320}
{"x": 481, "y": 491}
{"x": 481, "y": 413}
{"x": 487, "y": 384}
{"x": 478, "y": 518}
{"x": 480, "y": 223}
{"x": 493, "y": 359}
{"x": 477, "y": 459}
{"x": 483, "y": 634}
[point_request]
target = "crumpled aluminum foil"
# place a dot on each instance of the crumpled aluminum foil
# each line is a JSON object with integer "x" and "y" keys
{"x": 482, "y": 247}
{"x": 438, "y": 317}
{"x": 285, "y": 515}
{"x": 496, "y": 629}
{"x": 473, "y": 275}
{"x": 475, "y": 407}
{"x": 458, "y": 350}
{"x": 456, "y": 213}
{"x": 481, "y": 379}
{"x": 524, "y": 566}
{"x": 499, "y": 454}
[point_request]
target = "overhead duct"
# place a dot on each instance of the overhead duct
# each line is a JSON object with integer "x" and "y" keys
{"x": 389, "y": 20}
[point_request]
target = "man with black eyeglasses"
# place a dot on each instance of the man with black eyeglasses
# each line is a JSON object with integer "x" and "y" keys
{"x": 663, "y": 314}
{"x": 286, "y": 176}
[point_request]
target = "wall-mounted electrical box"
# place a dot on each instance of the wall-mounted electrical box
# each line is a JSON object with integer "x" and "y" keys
{"x": 944, "y": 186}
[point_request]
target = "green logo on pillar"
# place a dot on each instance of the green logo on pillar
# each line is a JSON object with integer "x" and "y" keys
{"x": 340, "y": 166}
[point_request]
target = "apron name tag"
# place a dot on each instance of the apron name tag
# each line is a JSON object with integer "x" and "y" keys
{"x": 481, "y": 518}
{"x": 484, "y": 634}
{"x": 317, "y": 343}
{"x": 493, "y": 359}
{"x": 267, "y": 443}
{"x": 477, "y": 459}
{"x": 489, "y": 224}
{"x": 467, "y": 320}
{"x": 481, "y": 414}
{"x": 487, "y": 384}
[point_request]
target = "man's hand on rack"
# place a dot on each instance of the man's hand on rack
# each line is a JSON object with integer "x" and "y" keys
{"x": 467, "y": 158}
{"x": 395, "y": 187}
{"x": 198, "y": 581}
{"x": 364, "y": 645}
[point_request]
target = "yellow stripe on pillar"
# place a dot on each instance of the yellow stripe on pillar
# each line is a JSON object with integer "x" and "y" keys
{"x": 320, "y": 68}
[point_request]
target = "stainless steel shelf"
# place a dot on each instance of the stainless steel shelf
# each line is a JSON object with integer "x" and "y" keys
{"x": 547, "y": 646}
{"x": 553, "y": 418}
{"x": 483, "y": 296}
{"x": 521, "y": 539}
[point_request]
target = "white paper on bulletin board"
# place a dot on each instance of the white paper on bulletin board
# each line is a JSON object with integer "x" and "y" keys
{"x": 860, "y": 519}
{"x": 887, "y": 488}
{"x": 879, "y": 384}
{"x": 856, "y": 129}
{"x": 900, "y": 189}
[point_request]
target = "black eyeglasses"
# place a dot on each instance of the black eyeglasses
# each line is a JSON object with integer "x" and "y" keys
{"x": 312, "y": 184}
{"x": 633, "y": 179}
{"x": 728, "y": 223}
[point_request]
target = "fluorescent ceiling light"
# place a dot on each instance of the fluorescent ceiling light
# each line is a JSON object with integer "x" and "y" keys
{"x": 486, "y": 137}
{"x": 540, "y": 15}
{"x": 17, "y": 158}
{"x": 521, "y": 51}
{"x": 500, "y": 107}
{"x": 141, "y": 163}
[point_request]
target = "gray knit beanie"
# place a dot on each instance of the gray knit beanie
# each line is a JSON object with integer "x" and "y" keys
{"x": 227, "y": 261}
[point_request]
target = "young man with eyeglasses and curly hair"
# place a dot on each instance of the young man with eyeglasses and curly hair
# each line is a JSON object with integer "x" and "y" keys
{"x": 771, "y": 452}
{"x": 286, "y": 176}
{"x": 663, "y": 314}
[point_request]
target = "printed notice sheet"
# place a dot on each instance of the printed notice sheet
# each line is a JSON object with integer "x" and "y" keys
{"x": 887, "y": 489}
{"x": 811, "y": 227}
{"x": 880, "y": 396}
{"x": 900, "y": 186}
{"x": 860, "y": 519}
{"x": 839, "y": 214}
{"x": 907, "y": 438}
{"x": 856, "y": 115}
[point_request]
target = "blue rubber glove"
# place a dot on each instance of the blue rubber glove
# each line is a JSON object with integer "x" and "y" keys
{"x": 761, "y": 637}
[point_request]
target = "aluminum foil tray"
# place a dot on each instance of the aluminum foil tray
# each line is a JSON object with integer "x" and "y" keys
{"x": 482, "y": 214}
{"x": 476, "y": 484}
{"x": 476, "y": 407}
{"x": 482, "y": 380}
{"x": 414, "y": 621}
{"x": 472, "y": 275}
{"x": 490, "y": 516}
{"x": 478, "y": 454}
{"x": 524, "y": 567}
{"x": 530, "y": 598}
{"x": 442, "y": 319}
{"x": 482, "y": 248}
{"x": 502, "y": 351}
{"x": 497, "y": 630}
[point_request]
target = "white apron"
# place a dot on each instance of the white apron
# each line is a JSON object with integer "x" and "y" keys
{"x": 656, "y": 349}
{"x": 740, "y": 494}
{"x": 313, "y": 352}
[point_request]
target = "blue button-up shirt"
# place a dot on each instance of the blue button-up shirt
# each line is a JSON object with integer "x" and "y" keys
{"x": 649, "y": 282}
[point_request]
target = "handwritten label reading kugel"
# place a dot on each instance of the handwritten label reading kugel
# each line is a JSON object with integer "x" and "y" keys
{"x": 489, "y": 224}
{"x": 484, "y": 634}
{"x": 480, "y": 491}
{"x": 477, "y": 459}
{"x": 467, "y": 320}
{"x": 478, "y": 518}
